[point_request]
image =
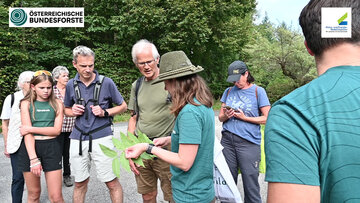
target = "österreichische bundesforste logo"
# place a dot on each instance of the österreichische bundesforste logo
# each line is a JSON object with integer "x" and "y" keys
{"x": 342, "y": 21}
{"x": 18, "y": 17}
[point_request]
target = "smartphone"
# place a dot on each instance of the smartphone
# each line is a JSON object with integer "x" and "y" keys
{"x": 229, "y": 107}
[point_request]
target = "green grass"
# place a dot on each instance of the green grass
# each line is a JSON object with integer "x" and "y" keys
{"x": 124, "y": 117}
{"x": 217, "y": 105}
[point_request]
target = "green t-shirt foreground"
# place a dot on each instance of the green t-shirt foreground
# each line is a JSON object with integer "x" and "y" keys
{"x": 44, "y": 115}
{"x": 312, "y": 136}
{"x": 154, "y": 107}
{"x": 194, "y": 125}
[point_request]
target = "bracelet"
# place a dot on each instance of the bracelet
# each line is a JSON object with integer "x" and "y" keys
{"x": 150, "y": 146}
{"x": 38, "y": 163}
{"x": 34, "y": 158}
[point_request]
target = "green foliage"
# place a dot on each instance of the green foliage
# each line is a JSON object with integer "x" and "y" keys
{"x": 278, "y": 59}
{"x": 121, "y": 145}
{"x": 211, "y": 32}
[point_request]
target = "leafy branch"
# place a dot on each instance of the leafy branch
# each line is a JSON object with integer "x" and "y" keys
{"x": 119, "y": 154}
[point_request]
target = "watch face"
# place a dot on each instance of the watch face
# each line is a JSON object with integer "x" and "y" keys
{"x": 106, "y": 114}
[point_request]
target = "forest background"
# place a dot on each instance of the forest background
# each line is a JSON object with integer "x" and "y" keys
{"x": 213, "y": 33}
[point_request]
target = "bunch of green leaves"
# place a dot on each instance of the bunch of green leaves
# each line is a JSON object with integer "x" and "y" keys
{"x": 119, "y": 154}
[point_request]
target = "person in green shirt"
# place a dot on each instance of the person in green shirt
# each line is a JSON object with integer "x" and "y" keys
{"x": 41, "y": 121}
{"x": 312, "y": 140}
{"x": 150, "y": 110}
{"x": 192, "y": 139}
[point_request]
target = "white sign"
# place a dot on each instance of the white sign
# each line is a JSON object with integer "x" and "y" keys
{"x": 335, "y": 22}
{"x": 46, "y": 17}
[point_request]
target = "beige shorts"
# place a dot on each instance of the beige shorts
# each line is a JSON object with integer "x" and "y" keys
{"x": 80, "y": 165}
{"x": 154, "y": 170}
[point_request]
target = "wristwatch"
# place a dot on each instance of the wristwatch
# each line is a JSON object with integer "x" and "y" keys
{"x": 106, "y": 114}
{"x": 150, "y": 146}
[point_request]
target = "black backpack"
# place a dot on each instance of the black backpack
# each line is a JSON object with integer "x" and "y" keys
{"x": 95, "y": 100}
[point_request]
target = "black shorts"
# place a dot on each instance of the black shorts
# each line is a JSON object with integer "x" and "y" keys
{"x": 48, "y": 151}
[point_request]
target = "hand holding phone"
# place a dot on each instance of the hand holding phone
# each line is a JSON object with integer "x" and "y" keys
{"x": 229, "y": 107}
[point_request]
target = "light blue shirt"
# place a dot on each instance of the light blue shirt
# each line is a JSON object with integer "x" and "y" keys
{"x": 245, "y": 99}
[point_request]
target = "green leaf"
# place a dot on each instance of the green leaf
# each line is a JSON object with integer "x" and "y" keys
{"x": 143, "y": 138}
{"x": 124, "y": 162}
{"x": 116, "y": 167}
{"x": 125, "y": 140}
{"x": 139, "y": 161}
{"x": 133, "y": 139}
{"x": 146, "y": 156}
{"x": 107, "y": 151}
{"x": 118, "y": 144}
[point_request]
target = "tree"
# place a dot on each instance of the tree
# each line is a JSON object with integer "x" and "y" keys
{"x": 279, "y": 57}
{"x": 211, "y": 32}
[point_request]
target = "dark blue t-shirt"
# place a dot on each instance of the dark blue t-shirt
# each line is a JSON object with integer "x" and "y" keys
{"x": 109, "y": 95}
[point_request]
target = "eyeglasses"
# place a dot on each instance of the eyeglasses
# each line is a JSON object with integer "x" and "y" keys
{"x": 142, "y": 64}
{"x": 40, "y": 72}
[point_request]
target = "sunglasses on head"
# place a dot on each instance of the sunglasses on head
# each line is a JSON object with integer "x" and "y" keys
{"x": 40, "y": 72}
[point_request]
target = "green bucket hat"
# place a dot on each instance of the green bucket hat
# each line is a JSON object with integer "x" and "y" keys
{"x": 175, "y": 64}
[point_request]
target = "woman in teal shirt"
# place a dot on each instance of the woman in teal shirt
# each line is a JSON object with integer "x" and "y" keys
{"x": 192, "y": 140}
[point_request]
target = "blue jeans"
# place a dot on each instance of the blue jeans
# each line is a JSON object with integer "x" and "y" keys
{"x": 244, "y": 155}
{"x": 17, "y": 184}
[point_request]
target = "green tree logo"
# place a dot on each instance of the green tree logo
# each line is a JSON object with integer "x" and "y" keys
{"x": 18, "y": 17}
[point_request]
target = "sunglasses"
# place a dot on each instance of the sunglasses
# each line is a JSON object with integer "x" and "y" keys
{"x": 40, "y": 72}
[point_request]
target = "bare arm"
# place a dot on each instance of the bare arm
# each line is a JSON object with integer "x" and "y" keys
{"x": 183, "y": 160}
{"x": 117, "y": 109}
{"x": 257, "y": 120}
{"x": 5, "y": 129}
{"x": 295, "y": 193}
{"x": 222, "y": 115}
{"x": 28, "y": 138}
{"x": 98, "y": 111}
{"x": 48, "y": 131}
{"x": 132, "y": 123}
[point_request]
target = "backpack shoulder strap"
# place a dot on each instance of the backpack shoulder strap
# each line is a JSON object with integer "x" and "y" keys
{"x": 256, "y": 94}
{"x": 97, "y": 89}
{"x": 12, "y": 99}
{"x": 257, "y": 99}
{"x": 137, "y": 87}
{"x": 227, "y": 94}
{"x": 77, "y": 91}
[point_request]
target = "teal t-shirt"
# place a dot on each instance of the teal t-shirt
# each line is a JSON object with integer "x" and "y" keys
{"x": 194, "y": 125}
{"x": 44, "y": 115}
{"x": 312, "y": 136}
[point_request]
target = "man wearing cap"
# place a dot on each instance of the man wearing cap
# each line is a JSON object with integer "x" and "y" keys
{"x": 244, "y": 107}
{"x": 150, "y": 115}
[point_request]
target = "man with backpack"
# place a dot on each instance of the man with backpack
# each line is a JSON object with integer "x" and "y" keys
{"x": 150, "y": 107}
{"x": 89, "y": 96}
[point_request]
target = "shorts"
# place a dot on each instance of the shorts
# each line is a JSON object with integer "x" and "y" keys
{"x": 81, "y": 164}
{"x": 48, "y": 151}
{"x": 147, "y": 180}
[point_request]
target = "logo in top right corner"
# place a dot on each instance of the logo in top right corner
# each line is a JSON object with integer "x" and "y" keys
{"x": 342, "y": 21}
{"x": 336, "y": 22}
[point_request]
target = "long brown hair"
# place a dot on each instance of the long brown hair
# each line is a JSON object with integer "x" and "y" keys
{"x": 31, "y": 95}
{"x": 186, "y": 89}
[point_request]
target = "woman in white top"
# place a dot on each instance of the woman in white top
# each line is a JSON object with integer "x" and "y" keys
{"x": 11, "y": 122}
